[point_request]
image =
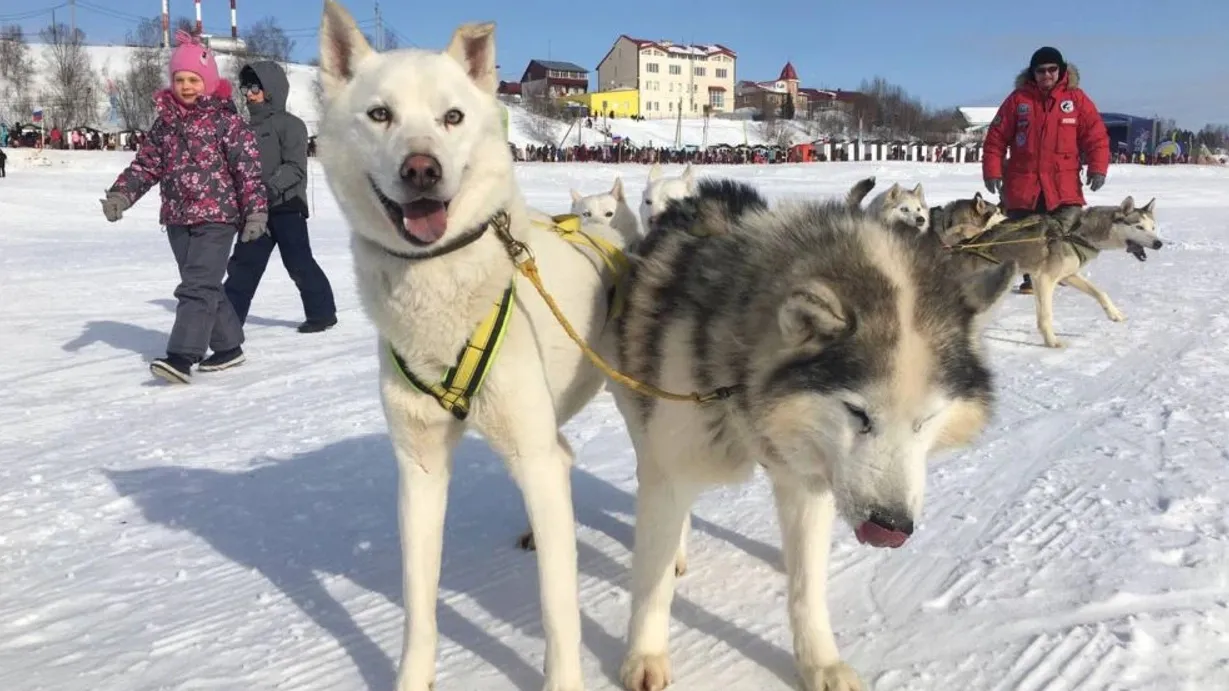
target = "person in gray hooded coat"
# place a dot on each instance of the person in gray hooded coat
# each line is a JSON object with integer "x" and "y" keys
{"x": 282, "y": 139}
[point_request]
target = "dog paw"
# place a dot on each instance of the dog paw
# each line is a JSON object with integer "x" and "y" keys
{"x": 1116, "y": 316}
{"x": 646, "y": 672}
{"x": 525, "y": 542}
{"x": 838, "y": 677}
{"x": 554, "y": 686}
{"x": 680, "y": 565}
{"x": 1053, "y": 343}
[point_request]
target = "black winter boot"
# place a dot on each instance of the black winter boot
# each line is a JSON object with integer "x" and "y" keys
{"x": 223, "y": 360}
{"x": 174, "y": 368}
{"x": 318, "y": 325}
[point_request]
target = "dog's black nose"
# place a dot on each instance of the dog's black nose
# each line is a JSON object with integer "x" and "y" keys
{"x": 1156, "y": 245}
{"x": 421, "y": 171}
{"x": 920, "y": 220}
{"x": 894, "y": 520}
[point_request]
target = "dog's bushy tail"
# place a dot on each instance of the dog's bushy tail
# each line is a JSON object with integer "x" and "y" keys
{"x": 859, "y": 191}
{"x": 714, "y": 209}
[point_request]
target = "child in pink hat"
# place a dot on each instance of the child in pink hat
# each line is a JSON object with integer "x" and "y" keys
{"x": 204, "y": 158}
{"x": 191, "y": 57}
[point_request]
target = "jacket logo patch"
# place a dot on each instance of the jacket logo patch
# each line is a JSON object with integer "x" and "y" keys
{"x": 1067, "y": 106}
{"x": 997, "y": 120}
{"x": 1021, "y": 138}
{"x": 1022, "y": 108}
{"x": 1069, "y": 121}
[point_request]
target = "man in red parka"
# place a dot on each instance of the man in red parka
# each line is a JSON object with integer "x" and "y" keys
{"x": 1048, "y": 123}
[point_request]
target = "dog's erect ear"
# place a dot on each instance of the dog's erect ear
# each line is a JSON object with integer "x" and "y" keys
{"x": 654, "y": 172}
{"x": 689, "y": 179}
{"x": 617, "y": 190}
{"x": 813, "y": 312}
{"x": 575, "y": 195}
{"x": 342, "y": 48}
{"x": 893, "y": 191}
{"x": 984, "y": 288}
{"x": 1127, "y": 205}
{"x": 473, "y": 45}
{"x": 979, "y": 205}
{"x": 1148, "y": 208}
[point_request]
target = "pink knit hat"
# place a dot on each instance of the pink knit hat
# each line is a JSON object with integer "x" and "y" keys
{"x": 192, "y": 56}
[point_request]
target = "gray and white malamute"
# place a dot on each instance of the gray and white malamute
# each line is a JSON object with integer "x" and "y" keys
{"x": 1054, "y": 250}
{"x": 415, "y": 153}
{"x": 851, "y": 354}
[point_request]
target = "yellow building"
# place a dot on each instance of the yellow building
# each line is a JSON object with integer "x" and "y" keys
{"x": 615, "y": 103}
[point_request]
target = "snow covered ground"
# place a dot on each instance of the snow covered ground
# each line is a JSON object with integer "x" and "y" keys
{"x": 240, "y": 533}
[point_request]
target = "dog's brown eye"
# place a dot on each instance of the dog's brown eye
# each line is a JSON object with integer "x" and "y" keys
{"x": 379, "y": 114}
{"x": 453, "y": 117}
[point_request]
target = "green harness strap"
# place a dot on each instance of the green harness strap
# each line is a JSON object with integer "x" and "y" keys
{"x": 457, "y": 388}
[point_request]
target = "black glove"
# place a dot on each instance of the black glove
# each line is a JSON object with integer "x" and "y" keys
{"x": 994, "y": 185}
{"x": 1095, "y": 181}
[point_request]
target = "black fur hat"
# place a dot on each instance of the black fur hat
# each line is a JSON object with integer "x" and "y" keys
{"x": 1047, "y": 56}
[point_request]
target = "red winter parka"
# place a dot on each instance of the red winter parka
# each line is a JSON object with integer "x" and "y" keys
{"x": 1046, "y": 134}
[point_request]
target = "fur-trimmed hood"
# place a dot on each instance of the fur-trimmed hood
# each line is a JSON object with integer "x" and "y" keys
{"x": 1071, "y": 80}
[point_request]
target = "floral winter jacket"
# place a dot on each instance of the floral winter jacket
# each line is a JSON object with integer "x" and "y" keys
{"x": 205, "y": 159}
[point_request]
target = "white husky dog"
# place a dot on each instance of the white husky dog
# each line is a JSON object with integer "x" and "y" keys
{"x": 415, "y": 154}
{"x": 609, "y": 207}
{"x": 897, "y": 204}
{"x": 660, "y": 190}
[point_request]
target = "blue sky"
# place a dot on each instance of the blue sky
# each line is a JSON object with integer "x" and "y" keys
{"x": 1136, "y": 56}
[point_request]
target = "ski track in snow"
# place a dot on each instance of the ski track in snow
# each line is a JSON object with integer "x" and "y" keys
{"x": 240, "y": 533}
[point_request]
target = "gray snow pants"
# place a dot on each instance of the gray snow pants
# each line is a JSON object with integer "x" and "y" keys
{"x": 204, "y": 318}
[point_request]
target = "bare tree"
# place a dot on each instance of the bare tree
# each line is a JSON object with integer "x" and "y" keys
{"x": 266, "y": 40}
{"x": 391, "y": 42}
{"x": 16, "y": 75}
{"x": 146, "y": 34}
{"x": 133, "y": 91}
{"x": 542, "y": 129}
{"x": 317, "y": 87}
{"x": 73, "y": 94}
{"x": 184, "y": 24}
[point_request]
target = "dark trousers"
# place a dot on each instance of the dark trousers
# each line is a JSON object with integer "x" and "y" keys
{"x": 288, "y": 232}
{"x": 204, "y": 318}
{"x": 2, "y": 173}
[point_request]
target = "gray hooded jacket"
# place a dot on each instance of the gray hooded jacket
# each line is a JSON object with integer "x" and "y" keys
{"x": 282, "y": 139}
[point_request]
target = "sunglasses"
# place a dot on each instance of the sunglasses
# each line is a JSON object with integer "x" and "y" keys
{"x": 1047, "y": 69}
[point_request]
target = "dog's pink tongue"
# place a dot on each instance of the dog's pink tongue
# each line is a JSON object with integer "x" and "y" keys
{"x": 877, "y": 536}
{"x": 425, "y": 220}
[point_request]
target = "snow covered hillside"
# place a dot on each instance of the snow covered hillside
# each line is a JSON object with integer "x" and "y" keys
{"x": 112, "y": 61}
{"x": 241, "y": 532}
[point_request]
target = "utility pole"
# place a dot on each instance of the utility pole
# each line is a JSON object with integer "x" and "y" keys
{"x": 379, "y": 29}
{"x": 72, "y": 13}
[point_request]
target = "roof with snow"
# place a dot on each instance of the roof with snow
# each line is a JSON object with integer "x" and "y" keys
{"x": 682, "y": 48}
{"x": 561, "y": 66}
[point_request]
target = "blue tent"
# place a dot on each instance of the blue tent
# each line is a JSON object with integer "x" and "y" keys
{"x": 1129, "y": 133}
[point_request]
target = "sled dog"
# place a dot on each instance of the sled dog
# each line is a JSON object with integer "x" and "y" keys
{"x": 658, "y": 191}
{"x": 415, "y": 154}
{"x": 1054, "y": 249}
{"x": 959, "y": 219}
{"x": 893, "y": 205}
{"x": 609, "y": 207}
{"x": 848, "y": 354}
{"x": 962, "y": 219}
